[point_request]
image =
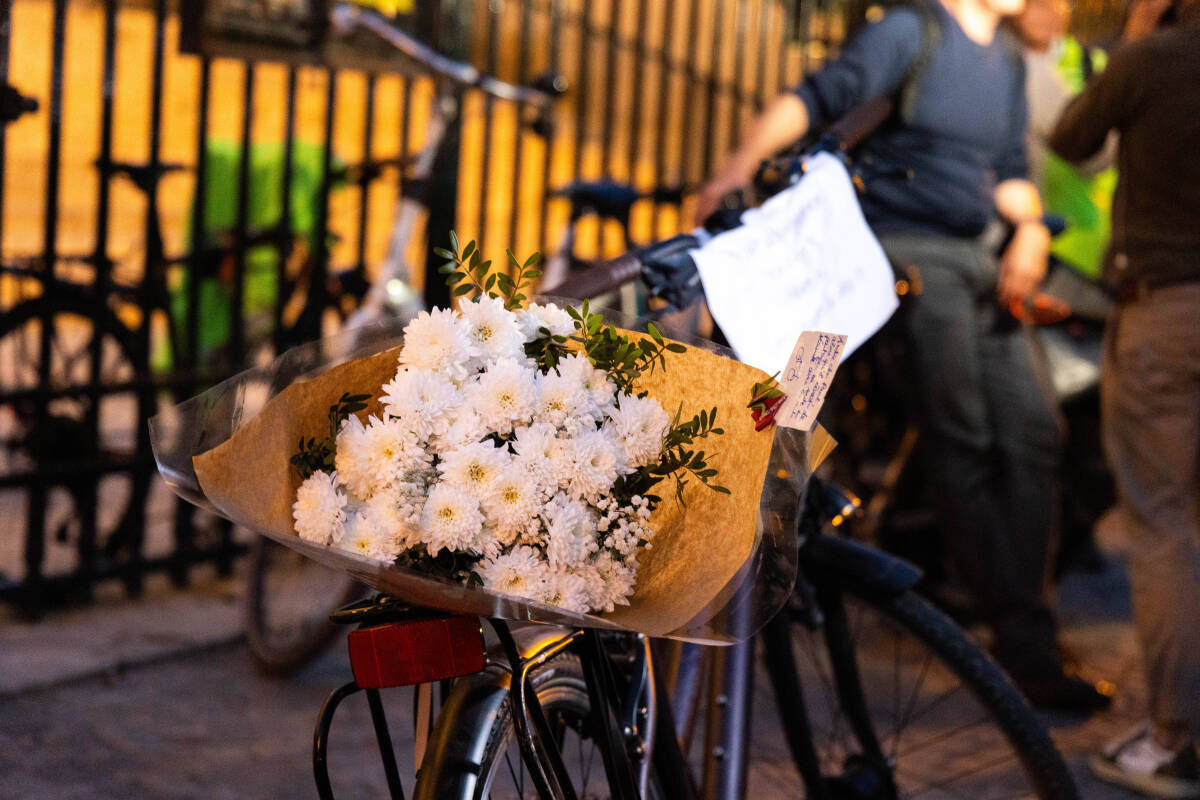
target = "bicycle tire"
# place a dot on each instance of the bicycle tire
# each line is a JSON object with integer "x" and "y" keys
{"x": 473, "y": 736}
{"x": 270, "y": 655}
{"x": 68, "y": 438}
{"x": 984, "y": 681}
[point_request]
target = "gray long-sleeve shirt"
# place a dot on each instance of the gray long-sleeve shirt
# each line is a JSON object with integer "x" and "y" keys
{"x": 1150, "y": 94}
{"x": 967, "y": 131}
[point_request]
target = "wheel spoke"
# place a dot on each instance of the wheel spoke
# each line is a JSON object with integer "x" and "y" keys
{"x": 944, "y": 740}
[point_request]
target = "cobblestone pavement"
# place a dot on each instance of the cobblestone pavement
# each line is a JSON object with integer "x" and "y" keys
{"x": 203, "y": 725}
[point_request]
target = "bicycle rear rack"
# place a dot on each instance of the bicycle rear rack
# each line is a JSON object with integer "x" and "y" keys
{"x": 395, "y": 645}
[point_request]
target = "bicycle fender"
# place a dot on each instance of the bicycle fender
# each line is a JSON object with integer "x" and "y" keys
{"x": 846, "y": 560}
{"x": 469, "y": 713}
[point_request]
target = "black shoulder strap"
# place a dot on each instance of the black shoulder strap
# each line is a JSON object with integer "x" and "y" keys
{"x": 931, "y": 37}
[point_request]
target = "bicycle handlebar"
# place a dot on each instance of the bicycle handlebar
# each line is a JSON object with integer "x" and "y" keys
{"x": 345, "y": 17}
{"x": 602, "y": 277}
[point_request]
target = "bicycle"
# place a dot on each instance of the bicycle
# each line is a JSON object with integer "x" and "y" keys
{"x": 289, "y": 598}
{"x": 511, "y": 725}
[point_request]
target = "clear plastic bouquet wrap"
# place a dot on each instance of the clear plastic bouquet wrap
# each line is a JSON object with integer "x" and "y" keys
{"x": 531, "y": 463}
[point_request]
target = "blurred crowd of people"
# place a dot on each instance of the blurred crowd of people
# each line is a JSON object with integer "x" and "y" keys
{"x": 1001, "y": 116}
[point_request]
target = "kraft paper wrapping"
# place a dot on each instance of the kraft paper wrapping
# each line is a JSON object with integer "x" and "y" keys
{"x": 697, "y": 548}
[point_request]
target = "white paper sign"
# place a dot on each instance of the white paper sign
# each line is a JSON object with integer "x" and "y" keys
{"x": 806, "y": 378}
{"x": 805, "y": 260}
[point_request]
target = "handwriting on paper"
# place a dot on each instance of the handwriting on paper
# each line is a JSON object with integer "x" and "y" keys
{"x": 805, "y": 260}
{"x": 807, "y": 376}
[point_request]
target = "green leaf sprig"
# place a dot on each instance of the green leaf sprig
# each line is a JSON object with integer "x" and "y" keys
{"x": 468, "y": 272}
{"x": 317, "y": 454}
{"x": 623, "y": 359}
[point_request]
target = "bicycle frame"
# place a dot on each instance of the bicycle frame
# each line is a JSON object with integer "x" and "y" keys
{"x": 628, "y": 725}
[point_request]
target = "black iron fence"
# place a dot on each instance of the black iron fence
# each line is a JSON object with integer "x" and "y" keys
{"x": 166, "y": 218}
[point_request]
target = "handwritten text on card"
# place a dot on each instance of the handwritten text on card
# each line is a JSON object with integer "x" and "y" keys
{"x": 807, "y": 376}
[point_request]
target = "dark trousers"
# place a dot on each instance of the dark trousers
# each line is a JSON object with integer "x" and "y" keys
{"x": 993, "y": 438}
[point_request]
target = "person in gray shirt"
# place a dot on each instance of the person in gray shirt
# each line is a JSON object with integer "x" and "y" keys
{"x": 936, "y": 175}
{"x": 1150, "y": 386}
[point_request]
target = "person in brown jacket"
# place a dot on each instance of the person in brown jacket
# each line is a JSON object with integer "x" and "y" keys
{"x": 1150, "y": 95}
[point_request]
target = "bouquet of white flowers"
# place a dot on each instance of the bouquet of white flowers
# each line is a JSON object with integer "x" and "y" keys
{"x": 514, "y": 449}
{"x": 511, "y": 460}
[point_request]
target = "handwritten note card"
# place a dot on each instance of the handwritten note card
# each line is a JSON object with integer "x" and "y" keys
{"x": 806, "y": 378}
{"x": 805, "y": 260}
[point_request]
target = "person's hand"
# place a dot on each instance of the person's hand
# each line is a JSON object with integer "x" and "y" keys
{"x": 1023, "y": 265}
{"x": 713, "y": 192}
{"x": 1144, "y": 18}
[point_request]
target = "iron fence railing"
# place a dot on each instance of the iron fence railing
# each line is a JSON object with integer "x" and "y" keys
{"x": 164, "y": 217}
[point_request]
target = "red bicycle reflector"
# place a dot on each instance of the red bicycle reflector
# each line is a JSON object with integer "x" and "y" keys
{"x": 416, "y": 651}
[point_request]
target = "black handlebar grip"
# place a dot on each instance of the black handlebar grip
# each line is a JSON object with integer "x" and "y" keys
{"x": 600, "y": 278}
{"x": 858, "y": 124}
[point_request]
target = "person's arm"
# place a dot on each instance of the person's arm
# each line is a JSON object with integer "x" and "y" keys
{"x": 873, "y": 63}
{"x": 784, "y": 121}
{"x": 1106, "y": 104}
{"x": 1017, "y": 201}
{"x": 1023, "y": 265}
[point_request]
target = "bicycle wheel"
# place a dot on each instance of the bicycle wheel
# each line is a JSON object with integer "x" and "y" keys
{"x": 913, "y": 708}
{"x": 473, "y": 754}
{"x": 288, "y": 602}
{"x": 63, "y": 441}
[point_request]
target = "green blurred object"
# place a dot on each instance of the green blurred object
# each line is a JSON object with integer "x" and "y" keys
{"x": 1084, "y": 202}
{"x": 261, "y": 290}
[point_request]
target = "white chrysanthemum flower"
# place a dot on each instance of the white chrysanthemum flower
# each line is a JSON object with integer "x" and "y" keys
{"x": 474, "y": 467}
{"x": 641, "y": 423}
{"x": 512, "y": 505}
{"x": 598, "y": 386}
{"x": 494, "y": 331}
{"x": 614, "y": 585}
{"x": 539, "y": 454}
{"x": 440, "y": 340}
{"x": 570, "y": 532}
{"x": 320, "y": 509}
{"x": 551, "y": 317}
{"x": 566, "y": 590}
{"x": 504, "y": 395}
{"x": 376, "y": 455}
{"x": 352, "y": 470}
{"x": 468, "y": 428}
{"x": 451, "y": 520}
{"x": 520, "y": 572}
{"x": 601, "y": 389}
{"x": 425, "y": 401}
{"x": 560, "y": 399}
{"x": 594, "y": 465}
{"x": 391, "y": 512}
{"x": 370, "y": 534}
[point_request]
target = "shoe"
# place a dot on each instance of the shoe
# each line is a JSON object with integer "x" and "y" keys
{"x": 1058, "y": 691}
{"x": 1137, "y": 762}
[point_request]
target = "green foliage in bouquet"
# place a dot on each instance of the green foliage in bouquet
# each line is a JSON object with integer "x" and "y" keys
{"x": 678, "y": 461}
{"x": 467, "y": 272}
{"x": 317, "y": 454}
